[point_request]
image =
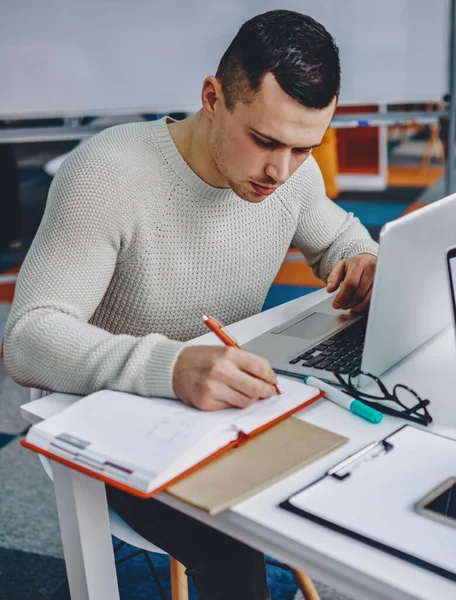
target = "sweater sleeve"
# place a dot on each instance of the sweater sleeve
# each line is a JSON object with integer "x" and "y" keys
{"x": 49, "y": 342}
{"x": 326, "y": 233}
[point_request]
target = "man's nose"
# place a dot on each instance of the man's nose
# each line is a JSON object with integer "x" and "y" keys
{"x": 278, "y": 167}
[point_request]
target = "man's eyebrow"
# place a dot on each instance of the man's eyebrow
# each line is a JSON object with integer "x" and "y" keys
{"x": 278, "y": 142}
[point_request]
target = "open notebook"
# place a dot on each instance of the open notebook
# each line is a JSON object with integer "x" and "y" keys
{"x": 142, "y": 445}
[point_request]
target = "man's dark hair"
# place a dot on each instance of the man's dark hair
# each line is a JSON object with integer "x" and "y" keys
{"x": 297, "y": 50}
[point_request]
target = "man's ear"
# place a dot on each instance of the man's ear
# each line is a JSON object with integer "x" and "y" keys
{"x": 211, "y": 96}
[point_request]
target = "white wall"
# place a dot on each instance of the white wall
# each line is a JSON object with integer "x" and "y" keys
{"x": 71, "y": 57}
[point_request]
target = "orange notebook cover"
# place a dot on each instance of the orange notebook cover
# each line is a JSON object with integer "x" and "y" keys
{"x": 126, "y": 443}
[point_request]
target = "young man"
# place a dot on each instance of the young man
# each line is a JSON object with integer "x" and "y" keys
{"x": 150, "y": 225}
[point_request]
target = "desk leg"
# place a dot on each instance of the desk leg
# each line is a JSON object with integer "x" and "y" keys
{"x": 86, "y": 535}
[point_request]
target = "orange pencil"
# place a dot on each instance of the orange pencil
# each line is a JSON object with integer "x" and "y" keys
{"x": 216, "y": 328}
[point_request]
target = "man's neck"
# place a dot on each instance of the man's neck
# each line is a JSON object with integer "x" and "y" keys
{"x": 191, "y": 139}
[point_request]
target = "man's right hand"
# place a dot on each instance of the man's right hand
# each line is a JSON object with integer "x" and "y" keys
{"x": 214, "y": 377}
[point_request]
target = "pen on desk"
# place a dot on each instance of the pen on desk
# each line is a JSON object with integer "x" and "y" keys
{"x": 216, "y": 328}
{"x": 355, "y": 406}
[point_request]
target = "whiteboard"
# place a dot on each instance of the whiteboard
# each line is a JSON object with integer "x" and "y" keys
{"x": 95, "y": 57}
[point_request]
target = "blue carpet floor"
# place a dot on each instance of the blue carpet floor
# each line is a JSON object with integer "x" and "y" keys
{"x": 136, "y": 582}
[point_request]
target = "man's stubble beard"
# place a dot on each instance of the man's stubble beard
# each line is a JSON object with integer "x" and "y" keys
{"x": 215, "y": 149}
{"x": 238, "y": 190}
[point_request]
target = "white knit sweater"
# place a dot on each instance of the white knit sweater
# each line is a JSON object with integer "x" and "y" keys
{"x": 134, "y": 247}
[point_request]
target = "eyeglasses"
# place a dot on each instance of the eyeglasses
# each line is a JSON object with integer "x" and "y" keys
{"x": 407, "y": 404}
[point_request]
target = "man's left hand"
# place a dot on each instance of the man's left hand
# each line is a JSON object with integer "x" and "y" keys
{"x": 357, "y": 277}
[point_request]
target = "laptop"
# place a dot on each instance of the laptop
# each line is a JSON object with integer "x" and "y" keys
{"x": 409, "y": 305}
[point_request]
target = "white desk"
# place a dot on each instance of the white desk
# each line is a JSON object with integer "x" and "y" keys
{"x": 352, "y": 567}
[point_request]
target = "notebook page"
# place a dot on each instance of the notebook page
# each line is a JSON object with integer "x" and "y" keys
{"x": 158, "y": 438}
{"x": 293, "y": 393}
{"x": 146, "y": 434}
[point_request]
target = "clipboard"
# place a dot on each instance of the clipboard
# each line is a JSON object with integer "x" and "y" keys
{"x": 370, "y": 497}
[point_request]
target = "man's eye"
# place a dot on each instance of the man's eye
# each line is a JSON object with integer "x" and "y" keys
{"x": 303, "y": 151}
{"x": 263, "y": 144}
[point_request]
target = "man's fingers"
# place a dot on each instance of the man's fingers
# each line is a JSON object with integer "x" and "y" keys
{"x": 217, "y": 405}
{"x": 255, "y": 365}
{"x": 359, "y": 276}
{"x": 364, "y": 305}
{"x": 251, "y": 388}
{"x": 243, "y": 387}
{"x": 234, "y": 399}
{"x": 336, "y": 276}
{"x": 214, "y": 378}
{"x": 364, "y": 285}
{"x": 211, "y": 405}
{"x": 349, "y": 286}
{"x": 216, "y": 394}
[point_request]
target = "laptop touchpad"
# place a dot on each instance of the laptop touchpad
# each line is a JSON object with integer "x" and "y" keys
{"x": 312, "y": 327}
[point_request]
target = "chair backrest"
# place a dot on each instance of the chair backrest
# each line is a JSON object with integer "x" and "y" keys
{"x": 121, "y": 530}
{"x": 35, "y": 394}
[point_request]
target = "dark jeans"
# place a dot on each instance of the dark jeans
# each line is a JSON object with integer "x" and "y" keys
{"x": 221, "y": 568}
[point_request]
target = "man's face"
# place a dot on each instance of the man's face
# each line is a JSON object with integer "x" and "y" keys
{"x": 258, "y": 145}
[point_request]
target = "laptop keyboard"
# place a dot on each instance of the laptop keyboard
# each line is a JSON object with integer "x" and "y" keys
{"x": 341, "y": 352}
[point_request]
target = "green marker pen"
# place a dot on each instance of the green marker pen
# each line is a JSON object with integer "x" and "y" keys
{"x": 355, "y": 406}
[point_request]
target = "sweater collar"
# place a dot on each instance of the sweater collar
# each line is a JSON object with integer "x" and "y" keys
{"x": 181, "y": 168}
